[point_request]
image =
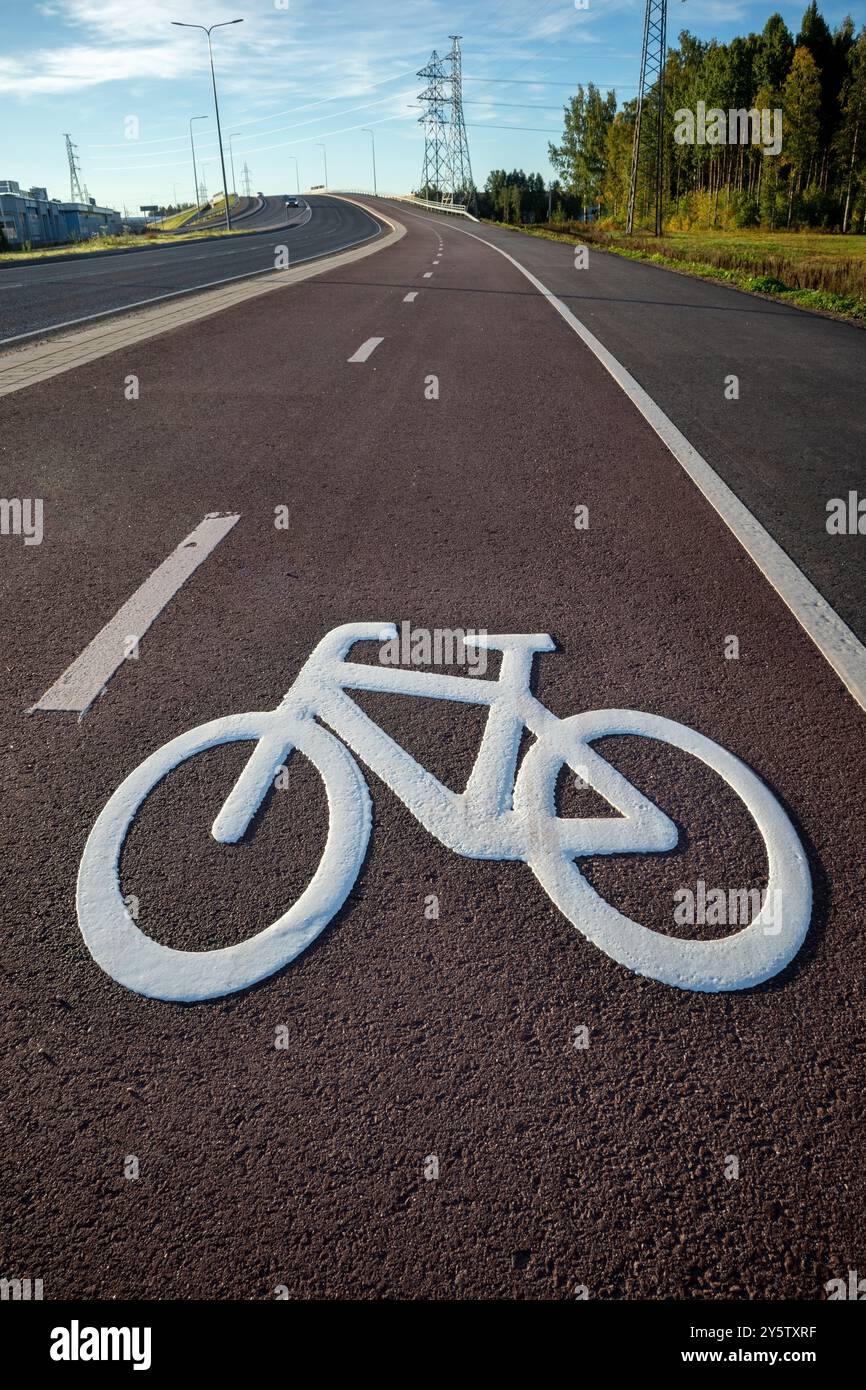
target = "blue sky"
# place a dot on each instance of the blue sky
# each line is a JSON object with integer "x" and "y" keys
{"x": 297, "y": 72}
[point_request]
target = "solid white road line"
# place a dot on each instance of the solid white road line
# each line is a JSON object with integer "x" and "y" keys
{"x": 411, "y": 297}
{"x": 90, "y": 673}
{"x": 834, "y": 639}
{"x": 366, "y": 349}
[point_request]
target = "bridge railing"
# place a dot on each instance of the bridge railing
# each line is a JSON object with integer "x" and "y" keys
{"x": 456, "y": 209}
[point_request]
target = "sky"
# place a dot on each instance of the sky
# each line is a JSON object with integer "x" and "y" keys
{"x": 124, "y": 82}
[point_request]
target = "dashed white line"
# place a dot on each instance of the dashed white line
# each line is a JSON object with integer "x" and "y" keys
{"x": 366, "y": 349}
{"x": 89, "y": 674}
{"x": 411, "y": 297}
{"x": 428, "y": 274}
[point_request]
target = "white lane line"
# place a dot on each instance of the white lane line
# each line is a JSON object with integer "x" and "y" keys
{"x": 366, "y": 349}
{"x": 428, "y": 274}
{"x": 435, "y": 262}
{"x": 89, "y": 674}
{"x": 832, "y": 636}
{"x": 16, "y": 285}
{"x": 411, "y": 297}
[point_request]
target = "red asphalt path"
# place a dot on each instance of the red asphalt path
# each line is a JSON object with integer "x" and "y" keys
{"x": 559, "y": 1167}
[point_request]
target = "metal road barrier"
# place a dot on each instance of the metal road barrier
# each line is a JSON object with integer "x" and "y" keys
{"x": 458, "y": 209}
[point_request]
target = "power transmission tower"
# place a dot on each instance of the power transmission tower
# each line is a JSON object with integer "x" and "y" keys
{"x": 246, "y": 178}
{"x": 437, "y": 164}
{"x": 76, "y": 193}
{"x": 461, "y": 169}
{"x": 646, "y": 160}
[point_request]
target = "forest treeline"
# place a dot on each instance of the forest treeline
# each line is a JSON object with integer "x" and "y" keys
{"x": 816, "y": 79}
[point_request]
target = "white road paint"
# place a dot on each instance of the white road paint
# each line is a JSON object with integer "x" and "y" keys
{"x": 499, "y": 816}
{"x": 410, "y": 297}
{"x": 839, "y": 646}
{"x": 90, "y": 673}
{"x": 428, "y": 274}
{"x": 366, "y": 350}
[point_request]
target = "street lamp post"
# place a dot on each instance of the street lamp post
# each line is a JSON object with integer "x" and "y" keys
{"x": 373, "y": 141}
{"x": 297, "y": 174}
{"x": 325, "y": 155}
{"x": 232, "y": 161}
{"x": 192, "y": 147}
{"x": 181, "y": 25}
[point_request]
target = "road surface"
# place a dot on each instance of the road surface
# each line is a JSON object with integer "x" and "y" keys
{"x": 38, "y": 298}
{"x": 452, "y": 1092}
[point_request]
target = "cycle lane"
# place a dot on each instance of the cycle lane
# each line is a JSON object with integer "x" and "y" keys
{"x": 414, "y": 1036}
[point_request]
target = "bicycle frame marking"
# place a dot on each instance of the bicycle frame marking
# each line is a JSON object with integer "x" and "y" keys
{"x": 479, "y": 823}
{"x": 502, "y": 814}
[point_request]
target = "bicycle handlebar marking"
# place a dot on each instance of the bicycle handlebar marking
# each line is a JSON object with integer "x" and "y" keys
{"x": 502, "y": 814}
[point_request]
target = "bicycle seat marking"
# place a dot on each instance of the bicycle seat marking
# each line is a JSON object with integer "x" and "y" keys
{"x": 502, "y": 814}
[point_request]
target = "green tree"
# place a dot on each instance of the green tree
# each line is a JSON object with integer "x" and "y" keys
{"x": 802, "y": 116}
{"x": 580, "y": 158}
{"x": 851, "y": 139}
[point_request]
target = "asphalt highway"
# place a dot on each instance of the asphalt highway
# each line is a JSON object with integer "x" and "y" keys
{"x": 268, "y": 213}
{"x": 452, "y": 1092}
{"x": 42, "y": 297}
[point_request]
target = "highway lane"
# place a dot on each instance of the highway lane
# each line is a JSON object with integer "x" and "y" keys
{"x": 792, "y": 439}
{"x": 267, "y": 213}
{"x": 583, "y": 1120}
{"x": 38, "y": 298}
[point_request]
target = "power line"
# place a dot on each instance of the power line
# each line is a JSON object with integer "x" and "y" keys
{"x": 540, "y": 82}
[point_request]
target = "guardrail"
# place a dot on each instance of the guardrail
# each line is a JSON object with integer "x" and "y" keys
{"x": 456, "y": 209}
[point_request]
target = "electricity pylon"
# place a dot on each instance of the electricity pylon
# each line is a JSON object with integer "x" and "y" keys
{"x": 652, "y": 88}
{"x": 437, "y": 145}
{"x": 76, "y": 193}
{"x": 461, "y": 167}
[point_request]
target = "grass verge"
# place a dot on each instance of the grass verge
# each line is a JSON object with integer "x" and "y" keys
{"x": 150, "y": 239}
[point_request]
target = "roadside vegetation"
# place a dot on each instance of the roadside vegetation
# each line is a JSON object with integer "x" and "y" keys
{"x": 184, "y": 215}
{"x": 788, "y": 221}
{"x": 126, "y": 242}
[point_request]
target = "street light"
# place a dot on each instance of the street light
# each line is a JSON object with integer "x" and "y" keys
{"x": 297, "y": 175}
{"x": 373, "y": 139}
{"x": 181, "y": 25}
{"x": 232, "y": 161}
{"x": 325, "y": 154}
{"x": 192, "y": 147}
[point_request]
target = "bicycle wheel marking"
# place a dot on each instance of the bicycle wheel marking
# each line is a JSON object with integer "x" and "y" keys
{"x": 498, "y": 816}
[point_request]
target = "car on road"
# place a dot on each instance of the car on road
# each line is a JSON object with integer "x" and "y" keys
{"x": 293, "y": 203}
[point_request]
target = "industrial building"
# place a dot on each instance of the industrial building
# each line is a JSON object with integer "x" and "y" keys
{"x": 30, "y": 217}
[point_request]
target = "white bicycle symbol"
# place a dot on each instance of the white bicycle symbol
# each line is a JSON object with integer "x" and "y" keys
{"x": 502, "y": 814}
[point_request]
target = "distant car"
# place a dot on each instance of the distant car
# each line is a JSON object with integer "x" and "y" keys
{"x": 292, "y": 203}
